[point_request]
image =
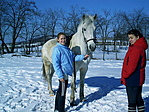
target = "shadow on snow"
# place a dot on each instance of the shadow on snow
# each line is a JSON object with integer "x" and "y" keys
{"x": 103, "y": 84}
{"x": 146, "y": 100}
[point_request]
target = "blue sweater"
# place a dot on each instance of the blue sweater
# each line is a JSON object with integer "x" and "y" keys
{"x": 62, "y": 59}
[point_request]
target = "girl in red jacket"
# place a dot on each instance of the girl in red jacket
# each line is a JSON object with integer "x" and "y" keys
{"x": 133, "y": 70}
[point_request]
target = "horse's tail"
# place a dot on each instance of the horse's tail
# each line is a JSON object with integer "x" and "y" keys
{"x": 44, "y": 72}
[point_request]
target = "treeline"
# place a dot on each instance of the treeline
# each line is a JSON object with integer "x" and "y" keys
{"x": 22, "y": 20}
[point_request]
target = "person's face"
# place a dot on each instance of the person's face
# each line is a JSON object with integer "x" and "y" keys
{"x": 62, "y": 39}
{"x": 132, "y": 38}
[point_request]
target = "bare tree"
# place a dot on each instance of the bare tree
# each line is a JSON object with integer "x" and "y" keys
{"x": 48, "y": 22}
{"x": 119, "y": 29}
{"x": 15, "y": 15}
{"x": 64, "y": 22}
{"x": 145, "y": 26}
{"x": 54, "y": 17}
{"x": 44, "y": 21}
{"x": 29, "y": 32}
{"x": 74, "y": 17}
{"x": 104, "y": 27}
{"x": 134, "y": 20}
{"x": 3, "y": 28}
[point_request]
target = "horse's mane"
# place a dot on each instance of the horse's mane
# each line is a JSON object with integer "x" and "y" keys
{"x": 68, "y": 38}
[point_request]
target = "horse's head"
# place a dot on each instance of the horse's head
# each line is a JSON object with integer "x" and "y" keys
{"x": 88, "y": 31}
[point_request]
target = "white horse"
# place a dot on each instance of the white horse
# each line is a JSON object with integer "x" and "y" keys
{"x": 82, "y": 42}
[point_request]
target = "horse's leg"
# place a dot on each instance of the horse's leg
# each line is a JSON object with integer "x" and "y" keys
{"x": 82, "y": 77}
{"x": 73, "y": 89}
{"x": 49, "y": 74}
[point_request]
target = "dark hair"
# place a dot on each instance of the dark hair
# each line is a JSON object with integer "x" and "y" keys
{"x": 59, "y": 34}
{"x": 135, "y": 32}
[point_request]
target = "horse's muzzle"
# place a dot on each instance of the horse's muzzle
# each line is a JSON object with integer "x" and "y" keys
{"x": 92, "y": 47}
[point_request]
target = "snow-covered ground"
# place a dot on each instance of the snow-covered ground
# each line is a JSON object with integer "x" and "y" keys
{"x": 22, "y": 88}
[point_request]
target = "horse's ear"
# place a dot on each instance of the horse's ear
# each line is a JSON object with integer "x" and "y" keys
{"x": 83, "y": 17}
{"x": 95, "y": 16}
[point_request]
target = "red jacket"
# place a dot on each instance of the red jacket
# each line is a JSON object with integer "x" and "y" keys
{"x": 133, "y": 70}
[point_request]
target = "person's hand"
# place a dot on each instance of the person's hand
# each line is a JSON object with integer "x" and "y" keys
{"x": 62, "y": 80}
{"x": 86, "y": 56}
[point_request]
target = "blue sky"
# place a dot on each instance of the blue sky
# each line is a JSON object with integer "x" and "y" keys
{"x": 95, "y": 5}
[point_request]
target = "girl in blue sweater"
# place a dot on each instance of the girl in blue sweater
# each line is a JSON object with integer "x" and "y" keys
{"x": 62, "y": 59}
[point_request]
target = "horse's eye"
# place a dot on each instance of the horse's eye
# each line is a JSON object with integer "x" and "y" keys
{"x": 84, "y": 29}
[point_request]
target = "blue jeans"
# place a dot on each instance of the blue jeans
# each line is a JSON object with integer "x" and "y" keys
{"x": 60, "y": 96}
{"x": 134, "y": 95}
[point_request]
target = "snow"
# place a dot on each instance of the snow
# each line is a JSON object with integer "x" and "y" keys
{"x": 23, "y": 89}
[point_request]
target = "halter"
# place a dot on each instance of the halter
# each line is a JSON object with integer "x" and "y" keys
{"x": 94, "y": 39}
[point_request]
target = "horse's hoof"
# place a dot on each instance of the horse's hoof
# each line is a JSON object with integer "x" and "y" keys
{"x": 73, "y": 104}
{"x": 51, "y": 94}
{"x": 83, "y": 100}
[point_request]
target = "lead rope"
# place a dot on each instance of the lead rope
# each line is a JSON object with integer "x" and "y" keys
{"x": 75, "y": 89}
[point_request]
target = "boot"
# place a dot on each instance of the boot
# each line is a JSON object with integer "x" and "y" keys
{"x": 131, "y": 109}
{"x": 141, "y": 108}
